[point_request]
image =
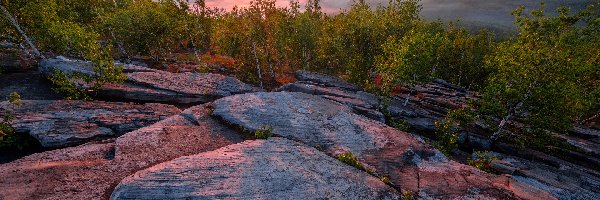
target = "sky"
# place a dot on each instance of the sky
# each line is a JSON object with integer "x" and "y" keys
{"x": 495, "y": 13}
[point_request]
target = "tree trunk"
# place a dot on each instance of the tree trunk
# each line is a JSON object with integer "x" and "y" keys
{"x": 17, "y": 27}
{"x": 257, "y": 65}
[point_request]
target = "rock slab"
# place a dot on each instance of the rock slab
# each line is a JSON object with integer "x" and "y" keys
{"x": 92, "y": 170}
{"x": 62, "y": 123}
{"x": 411, "y": 164}
{"x": 145, "y": 84}
{"x": 276, "y": 168}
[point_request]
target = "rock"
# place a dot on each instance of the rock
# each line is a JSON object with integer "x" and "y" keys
{"x": 276, "y": 168}
{"x": 144, "y": 84}
{"x": 12, "y": 59}
{"x": 64, "y": 123}
{"x": 325, "y": 80}
{"x": 564, "y": 180}
{"x": 91, "y": 171}
{"x": 363, "y": 103}
{"x": 30, "y": 85}
{"x": 411, "y": 165}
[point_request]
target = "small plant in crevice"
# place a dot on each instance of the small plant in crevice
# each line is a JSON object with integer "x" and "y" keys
{"x": 408, "y": 195}
{"x": 385, "y": 180}
{"x": 447, "y": 129}
{"x": 399, "y": 124}
{"x": 483, "y": 161}
{"x": 15, "y": 99}
{"x": 264, "y": 132}
{"x": 9, "y": 139}
{"x": 447, "y": 136}
{"x": 68, "y": 87}
{"x": 351, "y": 160}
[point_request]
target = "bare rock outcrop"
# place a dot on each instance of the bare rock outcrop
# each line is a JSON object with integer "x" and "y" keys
{"x": 145, "y": 84}
{"x": 92, "y": 170}
{"x": 276, "y": 168}
{"x": 411, "y": 164}
{"x": 62, "y": 123}
{"x": 420, "y": 106}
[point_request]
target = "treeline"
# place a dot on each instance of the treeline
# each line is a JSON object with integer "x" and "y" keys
{"x": 546, "y": 75}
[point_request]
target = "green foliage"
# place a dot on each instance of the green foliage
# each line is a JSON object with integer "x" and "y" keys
{"x": 447, "y": 130}
{"x": 447, "y": 136}
{"x": 67, "y": 86}
{"x": 386, "y": 180}
{"x": 264, "y": 132}
{"x": 408, "y": 195}
{"x": 483, "y": 161}
{"x": 430, "y": 51}
{"x": 15, "y": 99}
{"x": 147, "y": 27}
{"x": 351, "y": 160}
{"x": 9, "y": 139}
{"x": 65, "y": 27}
{"x": 399, "y": 124}
{"x": 547, "y": 77}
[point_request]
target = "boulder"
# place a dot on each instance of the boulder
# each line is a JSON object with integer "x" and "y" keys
{"x": 62, "y": 123}
{"x": 145, "y": 84}
{"x": 410, "y": 164}
{"x": 276, "y": 168}
{"x": 92, "y": 170}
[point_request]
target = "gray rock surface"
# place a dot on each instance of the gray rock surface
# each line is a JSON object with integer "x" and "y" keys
{"x": 325, "y": 80}
{"x": 144, "y": 84}
{"x": 92, "y": 170}
{"x": 421, "y": 105}
{"x": 411, "y": 165}
{"x": 63, "y": 123}
{"x": 562, "y": 179}
{"x": 276, "y": 168}
{"x": 362, "y": 102}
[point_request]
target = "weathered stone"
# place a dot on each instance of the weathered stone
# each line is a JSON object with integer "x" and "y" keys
{"x": 325, "y": 80}
{"x": 12, "y": 59}
{"x": 63, "y": 123}
{"x": 362, "y": 102}
{"x": 92, "y": 170}
{"x": 411, "y": 164}
{"x": 276, "y": 168}
{"x": 564, "y": 180}
{"x": 144, "y": 84}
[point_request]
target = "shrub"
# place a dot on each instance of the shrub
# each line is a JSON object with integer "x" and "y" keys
{"x": 15, "y": 99}
{"x": 264, "y": 132}
{"x": 542, "y": 78}
{"x": 483, "y": 161}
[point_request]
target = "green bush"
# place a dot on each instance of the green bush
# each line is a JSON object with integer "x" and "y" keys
{"x": 431, "y": 51}
{"x": 543, "y": 77}
{"x": 264, "y": 132}
{"x": 483, "y": 161}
